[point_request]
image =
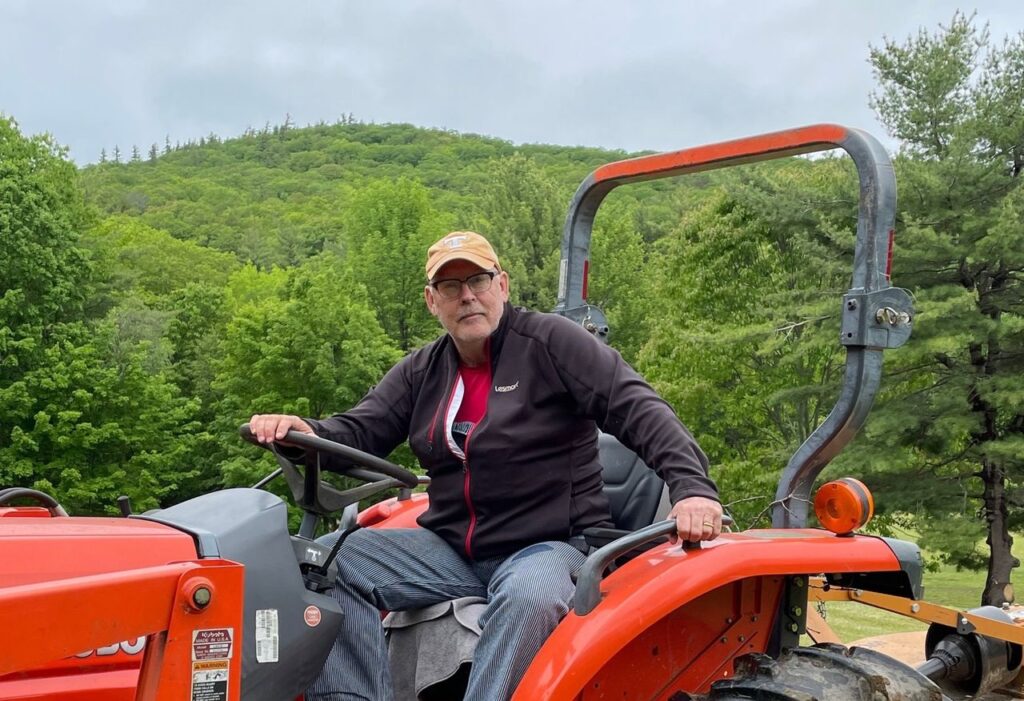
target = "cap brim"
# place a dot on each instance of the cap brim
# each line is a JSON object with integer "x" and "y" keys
{"x": 482, "y": 261}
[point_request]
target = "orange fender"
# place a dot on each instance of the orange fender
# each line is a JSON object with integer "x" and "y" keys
{"x": 674, "y": 619}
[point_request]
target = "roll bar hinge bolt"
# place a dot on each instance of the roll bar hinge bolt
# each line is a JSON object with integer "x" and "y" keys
{"x": 890, "y": 316}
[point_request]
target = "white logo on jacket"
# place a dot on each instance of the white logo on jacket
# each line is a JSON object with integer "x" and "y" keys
{"x": 506, "y": 388}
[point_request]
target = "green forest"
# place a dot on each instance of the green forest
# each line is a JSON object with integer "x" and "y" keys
{"x": 152, "y": 302}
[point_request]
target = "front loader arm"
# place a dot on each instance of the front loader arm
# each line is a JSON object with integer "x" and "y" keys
{"x": 191, "y": 613}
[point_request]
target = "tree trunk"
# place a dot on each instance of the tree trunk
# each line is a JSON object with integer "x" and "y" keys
{"x": 998, "y": 589}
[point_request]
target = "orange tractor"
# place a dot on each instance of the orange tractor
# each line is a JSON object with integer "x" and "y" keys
{"x": 214, "y": 599}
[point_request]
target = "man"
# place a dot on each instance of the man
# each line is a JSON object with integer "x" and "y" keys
{"x": 501, "y": 412}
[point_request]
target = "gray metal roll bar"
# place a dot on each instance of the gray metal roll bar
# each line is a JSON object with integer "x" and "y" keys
{"x": 875, "y": 315}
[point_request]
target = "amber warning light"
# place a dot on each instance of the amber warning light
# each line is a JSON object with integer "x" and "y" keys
{"x": 844, "y": 505}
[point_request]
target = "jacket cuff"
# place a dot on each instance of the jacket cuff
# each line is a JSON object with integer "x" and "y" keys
{"x": 693, "y": 487}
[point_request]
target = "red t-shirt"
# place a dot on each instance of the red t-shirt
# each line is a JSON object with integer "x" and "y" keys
{"x": 476, "y": 387}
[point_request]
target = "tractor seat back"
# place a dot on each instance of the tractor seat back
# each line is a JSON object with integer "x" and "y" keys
{"x": 636, "y": 495}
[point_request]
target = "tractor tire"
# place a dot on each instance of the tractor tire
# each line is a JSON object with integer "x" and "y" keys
{"x": 825, "y": 672}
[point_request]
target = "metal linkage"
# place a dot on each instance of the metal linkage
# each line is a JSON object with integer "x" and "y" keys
{"x": 961, "y": 621}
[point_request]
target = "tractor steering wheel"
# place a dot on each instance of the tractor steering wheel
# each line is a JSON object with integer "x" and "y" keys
{"x": 42, "y": 498}
{"x": 313, "y": 494}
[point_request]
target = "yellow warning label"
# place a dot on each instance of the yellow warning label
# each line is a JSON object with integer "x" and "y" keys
{"x": 210, "y": 680}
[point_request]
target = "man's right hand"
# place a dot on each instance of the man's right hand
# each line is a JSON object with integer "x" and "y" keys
{"x": 274, "y": 427}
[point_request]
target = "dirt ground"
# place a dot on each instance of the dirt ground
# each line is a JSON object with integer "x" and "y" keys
{"x": 909, "y": 648}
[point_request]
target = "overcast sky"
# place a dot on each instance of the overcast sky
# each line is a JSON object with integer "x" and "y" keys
{"x": 630, "y": 74}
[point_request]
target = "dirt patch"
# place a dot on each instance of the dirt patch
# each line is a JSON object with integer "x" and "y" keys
{"x": 905, "y": 647}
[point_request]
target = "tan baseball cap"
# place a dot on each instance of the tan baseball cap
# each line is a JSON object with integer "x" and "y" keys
{"x": 461, "y": 245}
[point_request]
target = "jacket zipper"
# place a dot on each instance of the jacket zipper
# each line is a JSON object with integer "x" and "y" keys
{"x": 465, "y": 490}
{"x": 465, "y": 463}
{"x": 437, "y": 412}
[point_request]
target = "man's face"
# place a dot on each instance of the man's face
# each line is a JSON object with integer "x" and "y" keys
{"x": 469, "y": 317}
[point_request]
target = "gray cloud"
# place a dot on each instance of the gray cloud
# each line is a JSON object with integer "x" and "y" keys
{"x": 643, "y": 75}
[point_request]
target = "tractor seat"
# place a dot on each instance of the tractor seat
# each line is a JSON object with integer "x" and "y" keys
{"x": 636, "y": 495}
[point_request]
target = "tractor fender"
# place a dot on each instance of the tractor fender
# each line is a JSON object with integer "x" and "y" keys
{"x": 675, "y": 618}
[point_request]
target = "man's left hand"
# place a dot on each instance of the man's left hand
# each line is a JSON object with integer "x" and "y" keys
{"x": 697, "y": 518}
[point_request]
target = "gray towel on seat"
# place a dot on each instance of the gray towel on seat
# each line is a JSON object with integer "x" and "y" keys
{"x": 427, "y": 646}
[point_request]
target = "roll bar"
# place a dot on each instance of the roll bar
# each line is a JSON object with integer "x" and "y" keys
{"x": 875, "y": 315}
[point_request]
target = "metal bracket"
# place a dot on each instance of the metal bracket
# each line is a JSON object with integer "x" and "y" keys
{"x": 791, "y": 622}
{"x": 589, "y": 317}
{"x": 964, "y": 627}
{"x": 880, "y": 319}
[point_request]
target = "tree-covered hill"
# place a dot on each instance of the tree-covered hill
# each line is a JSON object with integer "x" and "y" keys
{"x": 278, "y": 195}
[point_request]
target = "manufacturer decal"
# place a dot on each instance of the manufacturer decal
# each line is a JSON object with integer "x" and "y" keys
{"x": 211, "y": 644}
{"x": 211, "y": 659}
{"x": 507, "y": 388}
{"x": 129, "y": 647}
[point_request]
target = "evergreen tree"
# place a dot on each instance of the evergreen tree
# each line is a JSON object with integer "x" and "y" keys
{"x": 955, "y": 100}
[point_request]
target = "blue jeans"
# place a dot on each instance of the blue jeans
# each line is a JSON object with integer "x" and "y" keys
{"x": 528, "y": 593}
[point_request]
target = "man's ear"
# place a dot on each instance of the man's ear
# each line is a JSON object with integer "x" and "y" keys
{"x": 428, "y": 297}
{"x": 503, "y": 285}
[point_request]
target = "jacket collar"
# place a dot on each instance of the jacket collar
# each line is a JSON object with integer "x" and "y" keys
{"x": 498, "y": 337}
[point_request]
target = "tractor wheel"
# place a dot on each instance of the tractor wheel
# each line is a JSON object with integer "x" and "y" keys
{"x": 825, "y": 672}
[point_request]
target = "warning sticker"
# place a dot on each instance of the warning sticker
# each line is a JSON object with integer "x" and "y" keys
{"x": 266, "y": 635}
{"x": 211, "y": 644}
{"x": 210, "y": 680}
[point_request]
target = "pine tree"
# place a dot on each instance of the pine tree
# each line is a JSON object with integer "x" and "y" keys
{"x": 956, "y": 103}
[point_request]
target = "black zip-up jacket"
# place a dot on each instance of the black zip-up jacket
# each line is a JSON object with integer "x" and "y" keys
{"x": 530, "y": 471}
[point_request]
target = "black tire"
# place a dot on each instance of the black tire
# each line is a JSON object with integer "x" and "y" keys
{"x": 825, "y": 672}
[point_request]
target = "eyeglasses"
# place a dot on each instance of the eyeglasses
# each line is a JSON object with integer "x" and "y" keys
{"x": 450, "y": 288}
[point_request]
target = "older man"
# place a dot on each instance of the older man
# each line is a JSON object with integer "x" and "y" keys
{"x": 502, "y": 411}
